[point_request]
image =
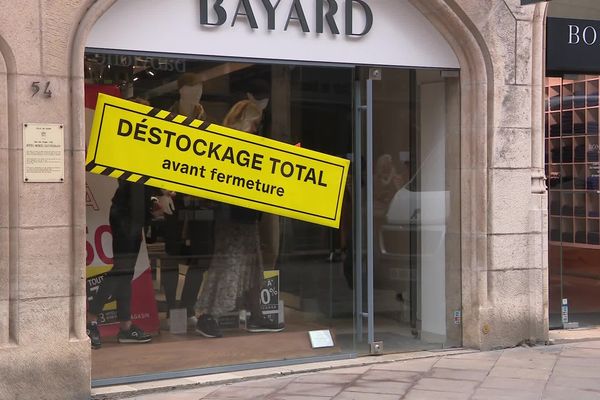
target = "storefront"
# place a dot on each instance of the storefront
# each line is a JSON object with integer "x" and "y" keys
{"x": 572, "y": 167}
{"x": 386, "y": 280}
{"x": 432, "y": 106}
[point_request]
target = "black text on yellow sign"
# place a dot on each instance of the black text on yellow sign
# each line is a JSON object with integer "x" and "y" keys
{"x": 142, "y": 144}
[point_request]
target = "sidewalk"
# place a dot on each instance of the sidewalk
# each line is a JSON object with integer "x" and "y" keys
{"x": 557, "y": 372}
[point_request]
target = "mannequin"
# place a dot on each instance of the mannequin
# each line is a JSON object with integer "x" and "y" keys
{"x": 133, "y": 206}
{"x": 235, "y": 276}
{"x": 177, "y": 218}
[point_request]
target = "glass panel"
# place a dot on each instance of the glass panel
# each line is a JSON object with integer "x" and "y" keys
{"x": 198, "y": 258}
{"x": 416, "y": 209}
{"x": 572, "y": 169}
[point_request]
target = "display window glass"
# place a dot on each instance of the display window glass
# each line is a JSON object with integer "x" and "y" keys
{"x": 183, "y": 283}
{"x": 572, "y": 167}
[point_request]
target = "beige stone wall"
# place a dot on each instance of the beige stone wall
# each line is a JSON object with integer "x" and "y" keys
{"x": 504, "y": 252}
{"x": 44, "y": 352}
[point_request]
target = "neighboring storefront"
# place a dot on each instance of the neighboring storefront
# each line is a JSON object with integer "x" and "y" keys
{"x": 441, "y": 241}
{"x": 572, "y": 163}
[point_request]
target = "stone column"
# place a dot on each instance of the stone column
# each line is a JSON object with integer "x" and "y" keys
{"x": 499, "y": 44}
{"x": 44, "y": 351}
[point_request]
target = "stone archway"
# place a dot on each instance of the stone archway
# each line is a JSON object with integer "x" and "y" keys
{"x": 8, "y": 198}
{"x": 478, "y": 115}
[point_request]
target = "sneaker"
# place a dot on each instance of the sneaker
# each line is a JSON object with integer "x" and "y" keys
{"x": 94, "y": 334}
{"x": 208, "y": 327}
{"x": 133, "y": 335}
{"x": 263, "y": 324}
{"x": 192, "y": 321}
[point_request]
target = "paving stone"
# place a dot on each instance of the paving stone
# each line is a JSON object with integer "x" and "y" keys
{"x": 423, "y": 364}
{"x": 520, "y": 373}
{"x": 577, "y": 371}
{"x": 578, "y": 383}
{"x": 379, "y": 387}
{"x": 502, "y": 394}
{"x": 513, "y": 384}
{"x": 352, "y": 370}
{"x": 310, "y": 389}
{"x": 195, "y": 394}
{"x": 383, "y": 375}
{"x": 527, "y": 359}
{"x": 577, "y": 361}
{"x": 460, "y": 374}
{"x": 587, "y": 345}
{"x": 272, "y": 382}
{"x": 366, "y": 396}
{"x": 483, "y": 355}
{"x": 238, "y": 392}
{"x": 331, "y": 379}
{"x": 479, "y": 365}
{"x": 446, "y": 385}
{"x": 288, "y": 397}
{"x": 416, "y": 394}
{"x": 561, "y": 393}
{"x": 579, "y": 352}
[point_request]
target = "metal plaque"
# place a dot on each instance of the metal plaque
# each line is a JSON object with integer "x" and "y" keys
{"x": 320, "y": 339}
{"x": 43, "y": 152}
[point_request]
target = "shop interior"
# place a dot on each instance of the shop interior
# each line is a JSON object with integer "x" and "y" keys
{"x": 309, "y": 270}
{"x": 572, "y": 168}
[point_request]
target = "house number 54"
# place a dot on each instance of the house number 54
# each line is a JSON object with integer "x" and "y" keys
{"x": 35, "y": 87}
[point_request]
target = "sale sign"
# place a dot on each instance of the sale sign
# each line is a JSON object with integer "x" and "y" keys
{"x": 138, "y": 143}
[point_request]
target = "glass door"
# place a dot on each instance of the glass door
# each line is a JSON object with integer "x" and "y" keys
{"x": 408, "y": 227}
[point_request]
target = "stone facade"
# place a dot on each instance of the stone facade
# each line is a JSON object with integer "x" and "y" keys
{"x": 44, "y": 352}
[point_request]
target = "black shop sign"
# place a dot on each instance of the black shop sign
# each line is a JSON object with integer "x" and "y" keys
{"x": 573, "y": 46}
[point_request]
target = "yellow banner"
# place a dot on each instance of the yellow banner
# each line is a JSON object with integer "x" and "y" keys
{"x": 144, "y": 144}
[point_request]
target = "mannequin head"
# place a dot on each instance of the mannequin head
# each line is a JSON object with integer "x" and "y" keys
{"x": 384, "y": 166}
{"x": 246, "y": 115}
{"x": 190, "y": 92}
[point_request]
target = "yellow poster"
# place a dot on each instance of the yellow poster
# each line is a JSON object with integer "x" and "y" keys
{"x": 144, "y": 144}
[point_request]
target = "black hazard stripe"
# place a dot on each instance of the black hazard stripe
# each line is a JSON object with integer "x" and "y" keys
{"x": 154, "y": 112}
{"x": 125, "y": 175}
{"x": 90, "y": 166}
{"x": 171, "y": 116}
{"x": 107, "y": 171}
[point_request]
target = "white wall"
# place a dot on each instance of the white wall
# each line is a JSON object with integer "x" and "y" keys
{"x": 400, "y": 35}
{"x": 433, "y": 202}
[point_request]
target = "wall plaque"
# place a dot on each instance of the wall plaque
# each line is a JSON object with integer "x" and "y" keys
{"x": 43, "y": 152}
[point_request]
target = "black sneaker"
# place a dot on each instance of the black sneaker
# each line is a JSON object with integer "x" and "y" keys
{"x": 208, "y": 327}
{"x": 263, "y": 324}
{"x": 94, "y": 335}
{"x": 133, "y": 335}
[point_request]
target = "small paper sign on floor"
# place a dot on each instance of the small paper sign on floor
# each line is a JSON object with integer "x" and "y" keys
{"x": 320, "y": 339}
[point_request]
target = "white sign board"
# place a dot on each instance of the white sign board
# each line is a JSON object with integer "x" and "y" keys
{"x": 372, "y": 32}
{"x": 320, "y": 339}
{"x": 43, "y": 152}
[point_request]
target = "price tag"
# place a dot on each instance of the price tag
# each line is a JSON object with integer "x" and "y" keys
{"x": 320, "y": 339}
